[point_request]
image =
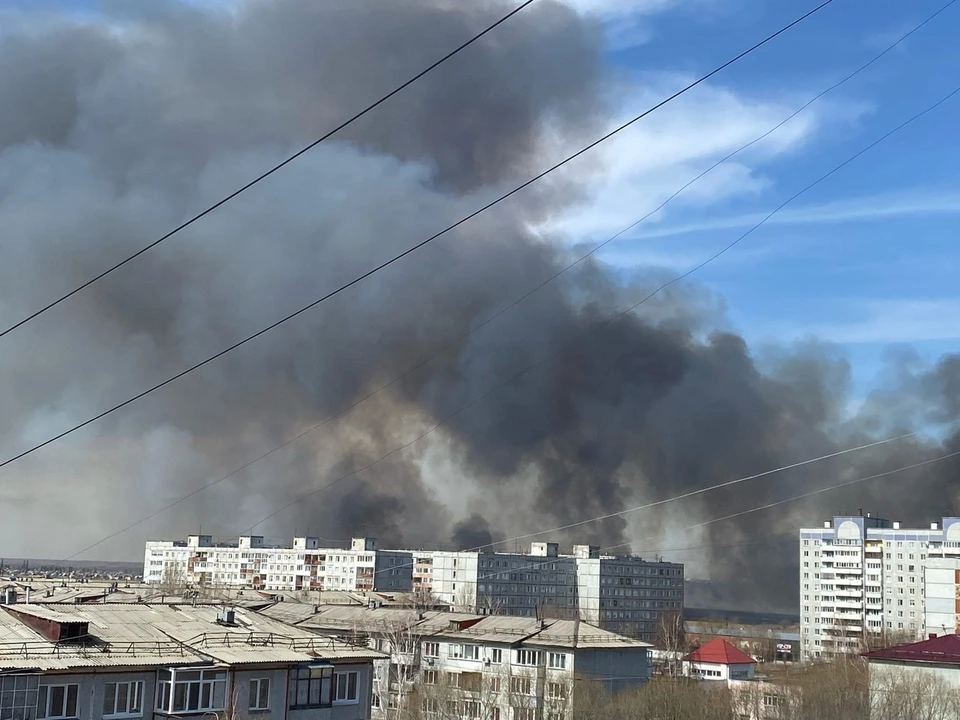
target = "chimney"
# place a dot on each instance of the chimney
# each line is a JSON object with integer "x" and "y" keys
{"x": 932, "y": 636}
{"x": 934, "y": 526}
{"x": 896, "y": 524}
{"x": 28, "y": 595}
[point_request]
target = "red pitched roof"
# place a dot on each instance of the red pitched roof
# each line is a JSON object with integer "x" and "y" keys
{"x": 943, "y": 649}
{"x": 720, "y": 652}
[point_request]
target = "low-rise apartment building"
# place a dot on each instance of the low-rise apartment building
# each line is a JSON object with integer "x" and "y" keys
{"x": 627, "y": 595}
{"x": 164, "y": 661}
{"x": 863, "y": 581}
{"x": 253, "y": 564}
{"x": 479, "y": 666}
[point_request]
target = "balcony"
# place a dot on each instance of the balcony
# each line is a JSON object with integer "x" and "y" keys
{"x": 843, "y": 604}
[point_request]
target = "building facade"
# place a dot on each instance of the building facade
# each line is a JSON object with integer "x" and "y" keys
{"x": 920, "y": 679}
{"x": 622, "y": 594}
{"x": 252, "y": 564}
{"x": 942, "y": 593}
{"x": 863, "y": 581}
{"x": 155, "y": 661}
{"x": 460, "y": 665}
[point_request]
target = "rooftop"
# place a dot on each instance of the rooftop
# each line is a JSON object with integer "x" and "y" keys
{"x": 719, "y": 652}
{"x": 942, "y": 650}
{"x": 465, "y": 626}
{"x": 144, "y": 634}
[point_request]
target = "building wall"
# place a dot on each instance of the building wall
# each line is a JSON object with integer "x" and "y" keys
{"x": 614, "y": 669}
{"x": 90, "y": 690}
{"x": 278, "y": 678}
{"x": 862, "y": 579}
{"x": 626, "y": 595}
{"x": 942, "y": 591}
{"x": 304, "y": 566}
{"x": 885, "y": 676}
{"x": 718, "y": 671}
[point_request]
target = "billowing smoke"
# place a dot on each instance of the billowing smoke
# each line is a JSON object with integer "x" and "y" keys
{"x": 115, "y": 128}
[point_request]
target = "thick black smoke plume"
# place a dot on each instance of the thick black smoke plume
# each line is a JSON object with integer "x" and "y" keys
{"x": 115, "y": 128}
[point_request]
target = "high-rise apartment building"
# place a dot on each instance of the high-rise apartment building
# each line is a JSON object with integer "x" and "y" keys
{"x": 622, "y": 594}
{"x": 252, "y": 564}
{"x": 864, "y": 581}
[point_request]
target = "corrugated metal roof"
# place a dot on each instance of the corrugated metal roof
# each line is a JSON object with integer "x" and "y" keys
{"x": 162, "y": 635}
{"x": 45, "y": 612}
{"x": 943, "y": 650}
{"x": 574, "y": 634}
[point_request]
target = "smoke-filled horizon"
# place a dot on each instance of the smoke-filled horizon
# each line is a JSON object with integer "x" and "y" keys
{"x": 116, "y": 128}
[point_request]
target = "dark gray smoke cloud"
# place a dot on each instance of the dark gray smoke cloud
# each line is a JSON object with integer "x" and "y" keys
{"x": 114, "y": 129}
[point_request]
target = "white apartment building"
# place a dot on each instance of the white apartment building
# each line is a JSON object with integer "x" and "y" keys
{"x": 622, "y": 594}
{"x": 863, "y": 580}
{"x": 478, "y": 667}
{"x": 252, "y": 564}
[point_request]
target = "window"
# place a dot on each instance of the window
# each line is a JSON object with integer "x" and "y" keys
{"x": 523, "y": 713}
{"x": 429, "y": 677}
{"x": 455, "y": 651}
{"x": 431, "y": 649}
{"x": 521, "y": 686}
{"x": 471, "y": 709}
{"x": 310, "y": 686}
{"x": 471, "y": 652}
{"x": 772, "y": 701}
{"x": 192, "y": 690}
{"x": 259, "y": 694}
{"x": 495, "y": 715}
{"x": 558, "y": 660}
{"x": 556, "y": 691}
{"x": 430, "y": 706}
{"x": 496, "y": 656}
{"x": 345, "y": 688}
{"x": 122, "y": 699}
{"x": 375, "y": 701}
{"x": 529, "y": 657}
{"x": 18, "y": 696}
{"x": 495, "y": 684}
{"x": 57, "y": 701}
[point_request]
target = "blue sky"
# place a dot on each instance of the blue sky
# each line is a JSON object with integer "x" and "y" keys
{"x": 868, "y": 258}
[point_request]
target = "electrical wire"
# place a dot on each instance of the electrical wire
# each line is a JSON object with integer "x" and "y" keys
{"x": 269, "y": 172}
{"x": 412, "y": 249}
{"x": 759, "y": 508}
{"x": 516, "y": 376}
{"x": 507, "y": 308}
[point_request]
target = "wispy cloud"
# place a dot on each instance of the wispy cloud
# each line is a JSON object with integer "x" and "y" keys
{"x": 647, "y": 163}
{"x": 886, "y": 321}
{"x": 865, "y": 209}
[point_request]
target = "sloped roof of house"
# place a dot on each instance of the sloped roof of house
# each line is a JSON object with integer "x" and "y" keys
{"x": 944, "y": 649}
{"x": 719, "y": 652}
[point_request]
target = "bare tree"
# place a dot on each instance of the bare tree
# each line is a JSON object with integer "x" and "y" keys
{"x": 672, "y": 640}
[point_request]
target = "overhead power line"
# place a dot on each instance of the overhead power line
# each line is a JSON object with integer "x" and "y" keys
{"x": 758, "y": 508}
{"x": 455, "y": 342}
{"x": 613, "y": 318}
{"x": 268, "y": 173}
{"x": 412, "y": 249}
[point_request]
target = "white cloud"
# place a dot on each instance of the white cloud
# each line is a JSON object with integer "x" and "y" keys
{"x": 646, "y": 163}
{"x": 872, "y": 208}
{"x": 891, "y": 321}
